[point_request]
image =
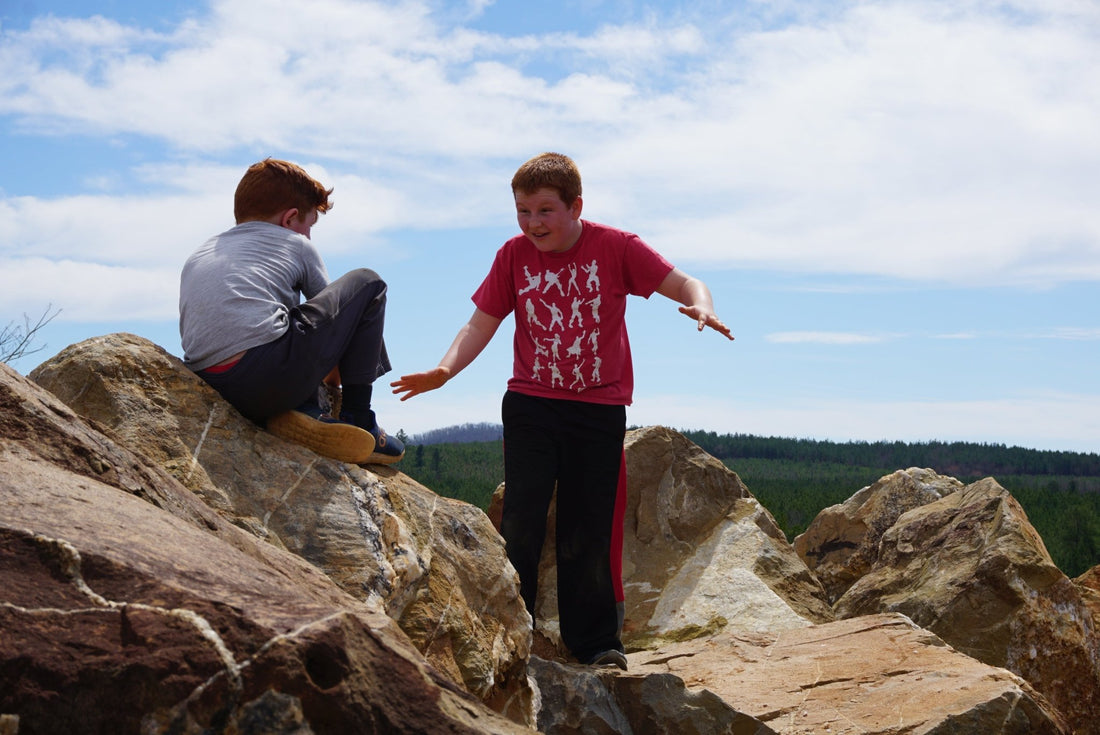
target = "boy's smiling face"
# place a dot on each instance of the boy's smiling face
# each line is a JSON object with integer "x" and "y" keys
{"x": 550, "y": 224}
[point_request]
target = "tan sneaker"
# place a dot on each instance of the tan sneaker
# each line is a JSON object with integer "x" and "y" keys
{"x": 329, "y": 438}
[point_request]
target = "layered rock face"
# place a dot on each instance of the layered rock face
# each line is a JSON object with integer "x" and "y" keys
{"x": 841, "y": 545}
{"x": 127, "y": 605}
{"x": 166, "y": 566}
{"x": 970, "y": 568}
{"x": 433, "y": 564}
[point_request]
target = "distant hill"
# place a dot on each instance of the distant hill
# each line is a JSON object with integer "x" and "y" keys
{"x": 958, "y": 459}
{"x": 462, "y": 434}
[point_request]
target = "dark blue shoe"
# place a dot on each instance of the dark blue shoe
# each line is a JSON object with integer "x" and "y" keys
{"x": 387, "y": 449}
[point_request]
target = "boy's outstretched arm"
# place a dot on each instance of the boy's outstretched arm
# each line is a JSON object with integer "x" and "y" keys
{"x": 696, "y": 299}
{"x": 468, "y": 344}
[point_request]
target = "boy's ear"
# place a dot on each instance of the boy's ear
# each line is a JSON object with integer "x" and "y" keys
{"x": 576, "y": 207}
{"x": 287, "y": 217}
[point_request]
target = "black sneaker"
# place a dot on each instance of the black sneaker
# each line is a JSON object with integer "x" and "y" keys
{"x": 609, "y": 658}
{"x": 309, "y": 426}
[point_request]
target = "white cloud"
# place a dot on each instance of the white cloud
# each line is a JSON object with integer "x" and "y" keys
{"x": 91, "y": 292}
{"x": 1076, "y": 334}
{"x": 824, "y": 338}
{"x": 928, "y": 141}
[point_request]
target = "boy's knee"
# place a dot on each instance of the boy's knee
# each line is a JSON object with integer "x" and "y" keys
{"x": 365, "y": 275}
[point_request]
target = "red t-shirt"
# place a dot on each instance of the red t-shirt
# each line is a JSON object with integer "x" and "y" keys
{"x": 570, "y": 310}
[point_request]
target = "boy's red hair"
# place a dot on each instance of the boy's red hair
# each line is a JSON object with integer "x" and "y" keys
{"x": 273, "y": 186}
{"x": 549, "y": 171}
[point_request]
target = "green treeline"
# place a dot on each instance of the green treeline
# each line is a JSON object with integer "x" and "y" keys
{"x": 796, "y": 478}
{"x": 469, "y": 471}
{"x": 948, "y": 458}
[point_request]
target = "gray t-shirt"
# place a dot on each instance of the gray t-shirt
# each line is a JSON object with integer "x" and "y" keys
{"x": 236, "y": 290}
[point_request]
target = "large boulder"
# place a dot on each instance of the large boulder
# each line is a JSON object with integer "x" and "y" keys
{"x": 435, "y": 565}
{"x": 876, "y": 674}
{"x": 970, "y": 568}
{"x": 700, "y": 553}
{"x": 841, "y": 544}
{"x": 127, "y": 605}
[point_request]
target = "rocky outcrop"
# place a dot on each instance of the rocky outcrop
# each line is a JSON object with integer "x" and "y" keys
{"x": 435, "y": 565}
{"x": 698, "y": 549}
{"x": 373, "y": 605}
{"x": 971, "y": 569}
{"x": 129, "y": 606}
{"x": 814, "y": 680}
{"x": 841, "y": 544}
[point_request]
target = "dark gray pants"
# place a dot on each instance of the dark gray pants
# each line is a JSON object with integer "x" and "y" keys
{"x": 342, "y": 326}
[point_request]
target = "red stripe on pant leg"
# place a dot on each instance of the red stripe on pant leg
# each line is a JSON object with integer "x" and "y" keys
{"x": 617, "y": 533}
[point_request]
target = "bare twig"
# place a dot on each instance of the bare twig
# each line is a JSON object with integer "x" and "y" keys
{"x": 16, "y": 341}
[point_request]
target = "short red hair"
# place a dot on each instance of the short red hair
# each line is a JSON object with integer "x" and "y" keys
{"x": 273, "y": 186}
{"x": 549, "y": 171}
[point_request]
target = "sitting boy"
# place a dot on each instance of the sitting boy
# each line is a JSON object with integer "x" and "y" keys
{"x": 246, "y": 334}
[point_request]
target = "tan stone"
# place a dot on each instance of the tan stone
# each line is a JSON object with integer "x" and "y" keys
{"x": 127, "y": 605}
{"x": 435, "y": 564}
{"x": 971, "y": 569}
{"x": 873, "y": 675}
{"x": 841, "y": 544}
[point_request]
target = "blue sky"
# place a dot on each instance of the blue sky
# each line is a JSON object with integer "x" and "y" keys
{"x": 895, "y": 204}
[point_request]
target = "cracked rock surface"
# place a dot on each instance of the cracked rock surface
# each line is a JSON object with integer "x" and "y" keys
{"x": 119, "y": 616}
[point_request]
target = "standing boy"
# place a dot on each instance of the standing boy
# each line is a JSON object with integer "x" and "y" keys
{"x": 246, "y": 334}
{"x": 564, "y": 412}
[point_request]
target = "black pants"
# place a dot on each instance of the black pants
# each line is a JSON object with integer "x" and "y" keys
{"x": 342, "y": 326}
{"x": 578, "y": 447}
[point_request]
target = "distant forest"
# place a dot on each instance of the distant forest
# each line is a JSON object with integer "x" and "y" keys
{"x": 460, "y": 434}
{"x": 796, "y": 478}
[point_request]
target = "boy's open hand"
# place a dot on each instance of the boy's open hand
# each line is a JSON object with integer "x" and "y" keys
{"x": 706, "y": 319}
{"x": 417, "y": 383}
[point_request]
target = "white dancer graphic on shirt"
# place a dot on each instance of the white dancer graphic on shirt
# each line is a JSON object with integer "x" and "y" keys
{"x": 533, "y": 282}
{"x": 555, "y": 376}
{"x": 572, "y": 279}
{"x": 593, "y": 278}
{"x": 595, "y": 304}
{"x": 556, "y": 315}
{"x": 578, "y": 377}
{"x": 532, "y": 317}
{"x": 575, "y": 349}
{"x": 549, "y": 330}
{"x": 555, "y": 342}
{"x": 553, "y": 279}
{"x": 576, "y": 315}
